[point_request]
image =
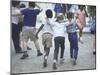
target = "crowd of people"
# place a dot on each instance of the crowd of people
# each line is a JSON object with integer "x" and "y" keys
{"x": 68, "y": 19}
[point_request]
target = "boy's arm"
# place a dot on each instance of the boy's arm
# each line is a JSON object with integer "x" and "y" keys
{"x": 86, "y": 13}
{"x": 38, "y": 7}
{"x": 39, "y": 30}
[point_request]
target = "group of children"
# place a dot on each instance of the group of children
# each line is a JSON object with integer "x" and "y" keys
{"x": 51, "y": 28}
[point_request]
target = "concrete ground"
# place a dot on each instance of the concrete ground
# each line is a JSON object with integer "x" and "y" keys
{"x": 86, "y": 60}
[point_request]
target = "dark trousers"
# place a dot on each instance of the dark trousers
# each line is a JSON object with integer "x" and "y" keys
{"x": 73, "y": 39}
{"x": 16, "y": 37}
{"x": 59, "y": 42}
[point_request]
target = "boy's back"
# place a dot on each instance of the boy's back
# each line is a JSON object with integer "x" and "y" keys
{"x": 30, "y": 16}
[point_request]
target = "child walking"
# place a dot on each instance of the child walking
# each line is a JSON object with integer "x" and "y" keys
{"x": 46, "y": 36}
{"x": 59, "y": 28}
{"x": 72, "y": 37}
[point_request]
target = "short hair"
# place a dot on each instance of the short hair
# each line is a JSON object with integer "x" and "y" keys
{"x": 81, "y": 6}
{"x": 70, "y": 15}
{"x": 32, "y": 4}
{"x": 49, "y": 13}
{"x": 15, "y": 3}
{"x": 22, "y": 6}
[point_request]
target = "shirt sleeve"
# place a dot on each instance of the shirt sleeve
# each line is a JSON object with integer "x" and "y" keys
{"x": 24, "y": 11}
{"x": 15, "y": 11}
{"x": 37, "y": 11}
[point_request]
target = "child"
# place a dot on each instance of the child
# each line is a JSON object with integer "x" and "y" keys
{"x": 72, "y": 36}
{"x": 29, "y": 30}
{"x": 46, "y": 36}
{"x": 59, "y": 27}
{"x": 81, "y": 19}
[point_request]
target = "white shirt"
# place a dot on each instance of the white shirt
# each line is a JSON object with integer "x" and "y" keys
{"x": 47, "y": 27}
{"x": 15, "y": 18}
{"x": 58, "y": 28}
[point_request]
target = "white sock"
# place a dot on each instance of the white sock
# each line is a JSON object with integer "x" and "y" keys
{"x": 55, "y": 61}
{"x": 46, "y": 57}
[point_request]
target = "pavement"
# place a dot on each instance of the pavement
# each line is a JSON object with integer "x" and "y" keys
{"x": 33, "y": 64}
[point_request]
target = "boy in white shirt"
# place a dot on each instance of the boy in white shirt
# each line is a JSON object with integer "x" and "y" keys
{"x": 59, "y": 28}
{"x": 46, "y": 36}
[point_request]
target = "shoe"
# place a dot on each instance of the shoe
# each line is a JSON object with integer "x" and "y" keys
{"x": 73, "y": 61}
{"x": 94, "y": 52}
{"x": 19, "y": 52}
{"x": 24, "y": 56}
{"x": 54, "y": 66}
{"x": 39, "y": 54}
{"x": 62, "y": 60}
{"x": 81, "y": 40}
{"x": 45, "y": 63}
{"x": 28, "y": 48}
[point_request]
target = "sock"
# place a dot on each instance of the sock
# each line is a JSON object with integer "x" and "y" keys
{"x": 55, "y": 61}
{"x": 46, "y": 57}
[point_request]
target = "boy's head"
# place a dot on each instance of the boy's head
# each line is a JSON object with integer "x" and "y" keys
{"x": 60, "y": 17}
{"x": 15, "y": 3}
{"x": 32, "y": 4}
{"x": 49, "y": 13}
{"x": 81, "y": 7}
{"x": 22, "y": 6}
{"x": 70, "y": 15}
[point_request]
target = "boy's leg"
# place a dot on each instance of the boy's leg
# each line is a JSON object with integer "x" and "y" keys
{"x": 70, "y": 37}
{"x": 24, "y": 47}
{"x": 62, "y": 50}
{"x": 47, "y": 42}
{"x": 47, "y": 50}
{"x": 75, "y": 45}
{"x": 24, "y": 40}
{"x": 94, "y": 45}
{"x": 62, "y": 47}
{"x": 37, "y": 47}
{"x": 56, "y": 51}
{"x": 16, "y": 38}
{"x": 80, "y": 35}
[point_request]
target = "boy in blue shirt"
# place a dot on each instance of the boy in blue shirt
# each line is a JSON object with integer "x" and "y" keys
{"x": 29, "y": 30}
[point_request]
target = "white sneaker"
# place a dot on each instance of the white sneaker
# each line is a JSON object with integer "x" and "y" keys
{"x": 62, "y": 60}
{"x": 81, "y": 40}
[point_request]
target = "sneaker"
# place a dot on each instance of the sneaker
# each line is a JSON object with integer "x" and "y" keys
{"x": 62, "y": 60}
{"x": 45, "y": 63}
{"x": 28, "y": 48}
{"x": 73, "y": 61}
{"x": 24, "y": 56}
{"x": 54, "y": 66}
{"x": 81, "y": 40}
{"x": 39, "y": 54}
{"x": 19, "y": 52}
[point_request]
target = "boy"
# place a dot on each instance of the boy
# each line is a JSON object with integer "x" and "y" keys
{"x": 59, "y": 27}
{"x": 72, "y": 36}
{"x": 46, "y": 36}
{"x": 29, "y": 30}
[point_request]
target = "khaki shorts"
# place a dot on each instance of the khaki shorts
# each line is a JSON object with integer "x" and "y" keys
{"x": 28, "y": 32}
{"x": 47, "y": 40}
